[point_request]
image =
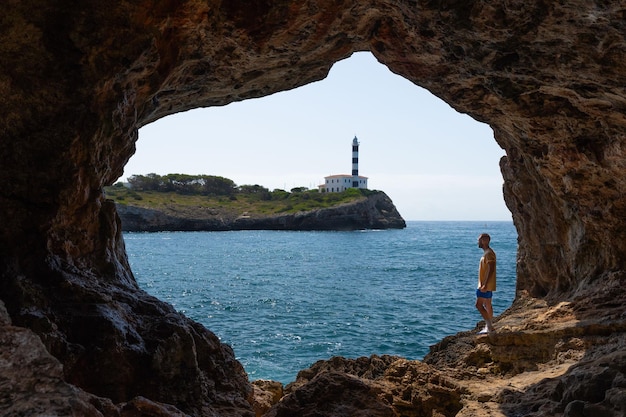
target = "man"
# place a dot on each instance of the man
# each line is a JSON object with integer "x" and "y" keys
{"x": 486, "y": 282}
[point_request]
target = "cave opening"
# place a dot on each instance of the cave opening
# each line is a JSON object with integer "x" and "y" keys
{"x": 432, "y": 161}
{"x": 546, "y": 77}
{"x": 438, "y": 166}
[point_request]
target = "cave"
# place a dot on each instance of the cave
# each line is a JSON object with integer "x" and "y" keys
{"x": 79, "y": 80}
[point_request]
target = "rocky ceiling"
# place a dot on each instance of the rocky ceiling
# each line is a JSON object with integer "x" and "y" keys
{"x": 78, "y": 79}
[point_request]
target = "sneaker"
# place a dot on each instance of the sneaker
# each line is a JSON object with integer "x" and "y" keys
{"x": 485, "y": 330}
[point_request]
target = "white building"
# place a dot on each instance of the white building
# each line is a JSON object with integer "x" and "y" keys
{"x": 341, "y": 182}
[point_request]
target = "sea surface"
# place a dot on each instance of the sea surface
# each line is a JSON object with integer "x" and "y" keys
{"x": 284, "y": 300}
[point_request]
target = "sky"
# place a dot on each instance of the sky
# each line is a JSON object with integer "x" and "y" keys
{"x": 433, "y": 162}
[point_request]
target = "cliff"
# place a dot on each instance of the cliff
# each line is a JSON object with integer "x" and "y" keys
{"x": 77, "y": 81}
{"x": 375, "y": 211}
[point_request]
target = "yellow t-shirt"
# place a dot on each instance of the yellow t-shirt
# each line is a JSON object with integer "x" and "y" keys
{"x": 488, "y": 258}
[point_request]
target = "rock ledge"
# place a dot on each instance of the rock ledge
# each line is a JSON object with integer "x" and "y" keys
{"x": 376, "y": 211}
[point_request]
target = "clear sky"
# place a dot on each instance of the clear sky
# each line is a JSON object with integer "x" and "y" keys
{"x": 433, "y": 162}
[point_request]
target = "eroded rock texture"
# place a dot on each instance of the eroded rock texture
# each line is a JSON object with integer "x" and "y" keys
{"x": 77, "y": 79}
{"x": 385, "y": 386}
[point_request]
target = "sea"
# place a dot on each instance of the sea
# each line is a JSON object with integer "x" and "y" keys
{"x": 286, "y": 299}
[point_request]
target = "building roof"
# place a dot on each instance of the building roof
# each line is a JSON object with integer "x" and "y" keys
{"x": 345, "y": 176}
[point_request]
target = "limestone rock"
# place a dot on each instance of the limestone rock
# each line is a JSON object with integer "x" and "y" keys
{"x": 376, "y": 211}
{"x": 77, "y": 80}
{"x": 32, "y": 383}
{"x": 266, "y": 394}
{"x": 376, "y": 386}
{"x": 542, "y": 360}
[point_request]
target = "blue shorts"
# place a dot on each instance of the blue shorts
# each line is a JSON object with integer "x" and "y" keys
{"x": 486, "y": 294}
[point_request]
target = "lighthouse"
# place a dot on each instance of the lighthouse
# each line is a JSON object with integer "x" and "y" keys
{"x": 355, "y": 162}
{"x": 342, "y": 182}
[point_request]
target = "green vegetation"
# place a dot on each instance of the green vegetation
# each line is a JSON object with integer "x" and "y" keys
{"x": 215, "y": 195}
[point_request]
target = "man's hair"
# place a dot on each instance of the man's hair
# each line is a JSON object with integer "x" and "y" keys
{"x": 485, "y": 236}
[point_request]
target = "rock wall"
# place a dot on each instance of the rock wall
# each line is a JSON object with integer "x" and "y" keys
{"x": 376, "y": 211}
{"x": 77, "y": 80}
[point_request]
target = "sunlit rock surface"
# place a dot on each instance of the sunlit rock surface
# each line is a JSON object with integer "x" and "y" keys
{"x": 375, "y": 211}
{"x": 77, "y": 80}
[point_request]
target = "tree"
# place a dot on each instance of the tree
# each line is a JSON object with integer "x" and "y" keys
{"x": 256, "y": 190}
{"x": 214, "y": 185}
{"x": 150, "y": 182}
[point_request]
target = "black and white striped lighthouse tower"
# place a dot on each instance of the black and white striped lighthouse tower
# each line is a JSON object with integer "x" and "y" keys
{"x": 355, "y": 162}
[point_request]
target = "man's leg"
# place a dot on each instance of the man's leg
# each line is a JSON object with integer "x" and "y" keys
{"x": 484, "y": 307}
{"x": 481, "y": 307}
{"x": 489, "y": 313}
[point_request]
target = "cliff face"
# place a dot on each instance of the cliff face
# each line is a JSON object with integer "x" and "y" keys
{"x": 77, "y": 80}
{"x": 376, "y": 211}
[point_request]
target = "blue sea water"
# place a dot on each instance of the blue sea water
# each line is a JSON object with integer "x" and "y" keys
{"x": 284, "y": 300}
